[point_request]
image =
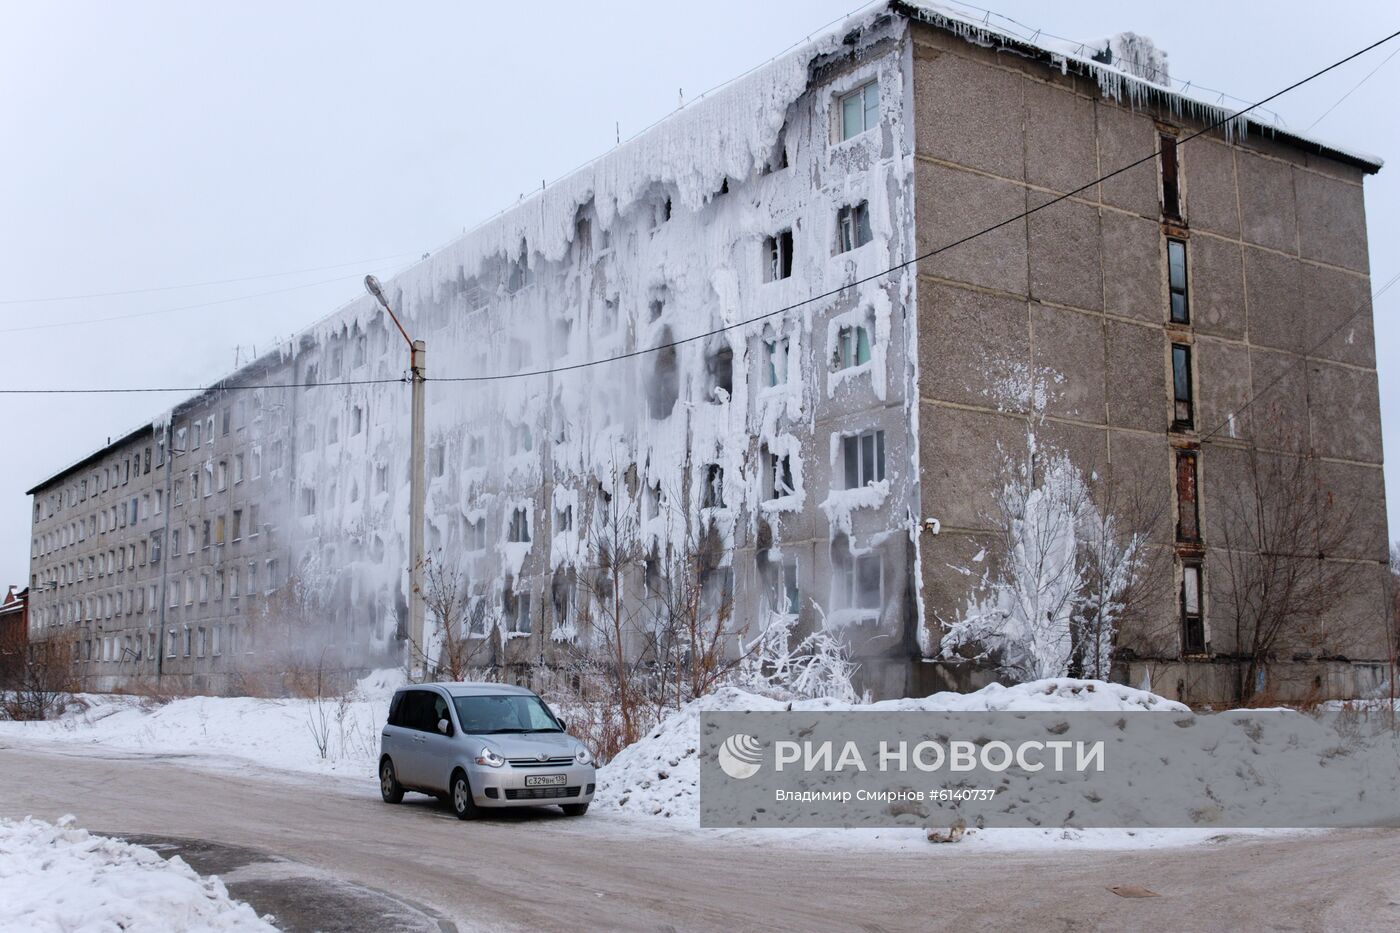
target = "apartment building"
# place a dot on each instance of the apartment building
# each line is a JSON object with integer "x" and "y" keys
{"x": 784, "y": 390}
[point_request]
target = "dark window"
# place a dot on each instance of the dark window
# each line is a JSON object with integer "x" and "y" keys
{"x": 396, "y": 706}
{"x": 1176, "y": 281}
{"x": 778, "y": 252}
{"x": 1171, "y": 192}
{"x": 1193, "y": 629}
{"x": 712, "y": 496}
{"x": 1181, "y": 385}
{"x": 1187, "y": 513}
{"x": 720, "y": 367}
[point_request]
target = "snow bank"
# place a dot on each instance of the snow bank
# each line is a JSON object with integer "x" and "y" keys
{"x": 228, "y": 731}
{"x": 659, "y": 777}
{"x": 61, "y": 878}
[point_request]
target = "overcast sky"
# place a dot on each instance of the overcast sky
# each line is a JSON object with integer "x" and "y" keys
{"x": 149, "y": 145}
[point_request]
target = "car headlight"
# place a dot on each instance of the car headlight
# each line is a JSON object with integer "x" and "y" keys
{"x": 583, "y": 756}
{"x": 488, "y": 757}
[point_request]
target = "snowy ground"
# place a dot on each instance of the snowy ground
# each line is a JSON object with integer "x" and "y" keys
{"x": 650, "y": 786}
{"x": 56, "y": 877}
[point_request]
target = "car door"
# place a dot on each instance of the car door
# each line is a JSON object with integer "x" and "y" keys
{"x": 436, "y": 750}
{"x": 416, "y": 708}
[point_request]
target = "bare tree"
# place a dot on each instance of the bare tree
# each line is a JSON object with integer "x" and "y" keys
{"x": 462, "y": 639}
{"x": 41, "y": 682}
{"x": 1277, "y": 528}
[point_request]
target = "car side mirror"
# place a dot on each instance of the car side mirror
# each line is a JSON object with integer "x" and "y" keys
{"x": 444, "y": 727}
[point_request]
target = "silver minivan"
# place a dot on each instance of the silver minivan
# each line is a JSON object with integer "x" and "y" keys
{"x": 482, "y": 745}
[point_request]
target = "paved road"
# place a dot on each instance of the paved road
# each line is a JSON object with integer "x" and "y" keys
{"x": 552, "y": 873}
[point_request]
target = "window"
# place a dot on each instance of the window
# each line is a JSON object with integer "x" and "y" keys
{"x": 257, "y": 462}
{"x": 253, "y": 527}
{"x": 189, "y": 539}
{"x": 170, "y": 644}
{"x": 194, "y": 435}
{"x": 155, "y": 548}
{"x": 187, "y": 640}
{"x": 476, "y": 535}
{"x": 782, "y": 484}
{"x": 1187, "y": 515}
{"x": 357, "y": 417}
{"x": 564, "y": 518}
{"x": 1193, "y": 629}
{"x": 777, "y": 251}
{"x": 1171, "y": 192}
{"x": 233, "y": 582}
{"x": 175, "y": 541}
{"x": 852, "y": 346}
{"x": 381, "y": 478}
{"x": 519, "y": 526}
{"x": 777, "y": 361}
{"x": 860, "y": 110}
{"x": 859, "y": 581}
{"x": 1181, "y": 386}
{"x": 436, "y": 460}
{"x": 719, "y": 366}
{"x": 712, "y": 492}
{"x": 179, "y": 491}
{"x": 1176, "y": 281}
{"x": 864, "y": 456}
{"x": 219, "y": 529}
{"x": 517, "y": 611}
{"x": 205, "y": 538}
{"x": 209, "y": 431}
{"x": 308, "y": 501}
{"x": 237, "y": 524}
{"x": 222, "y": 473}
{"x": 237, "y": 469}
{"x": 852, "y": 227}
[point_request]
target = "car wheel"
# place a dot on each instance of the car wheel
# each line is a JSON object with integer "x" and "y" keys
{"x": 574, "y": 809}
{"x": 389, "y": 787}
{"x": 461, "y": 798}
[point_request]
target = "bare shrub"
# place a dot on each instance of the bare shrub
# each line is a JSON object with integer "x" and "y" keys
{"x": 43, "y": 681}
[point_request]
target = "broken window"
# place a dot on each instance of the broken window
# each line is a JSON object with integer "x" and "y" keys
{"x": 1181, "y": 386}
{"x": 858, "y": 580}
{"x": 777, "y": 360}
{"x": 777, "y": 251}
{"x": 1171, "y": 192}
{"x": 564, "y": 518}
{"x": 519, "y": 527}
{"x": 1193, "y": 630}
{"x": 781, "y": 469}
{"x": 357, "y": 417}
{"x": 517, "y": 611}
{"x": 719, "y": 365}
{"x": 1176, "y": 281}
{"x": 520, "y": 274}
{"x": 852, "y": 346}
{"x": 864, "y": 456}
{"x": 664, "y": 386}
{"x": 860, "y": 110}
{"x": 712, "y": 491}
{"x": 852, "y": 227}
{"x": 1187, "y": 513}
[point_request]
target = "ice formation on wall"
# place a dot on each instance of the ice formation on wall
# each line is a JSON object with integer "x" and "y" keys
{"x": 727, "y": 212}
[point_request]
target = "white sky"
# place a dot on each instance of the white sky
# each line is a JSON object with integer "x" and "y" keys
{"x": 163, "y": 144}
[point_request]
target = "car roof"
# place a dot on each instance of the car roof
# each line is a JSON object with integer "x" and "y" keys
{"x": 476, "y": 689}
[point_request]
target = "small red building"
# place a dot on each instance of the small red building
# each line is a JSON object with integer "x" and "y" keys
{"x": 14, "y": 630}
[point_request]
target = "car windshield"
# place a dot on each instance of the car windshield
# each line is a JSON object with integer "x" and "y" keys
{"x": 484, "y": 715}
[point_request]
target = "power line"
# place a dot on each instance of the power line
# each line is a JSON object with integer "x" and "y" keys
{"x": 1369, "y": 76}
{"x": 1307, "y": 353}
{"x": 171, "y": 288}
{"x": 52, "y": 325}
{"x": 931, "y": 253}
{"x": 805, "y": 301}
{"x": 249, "y": 387}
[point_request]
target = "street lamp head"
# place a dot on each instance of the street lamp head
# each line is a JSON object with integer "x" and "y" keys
{"x": 372, "y": 286}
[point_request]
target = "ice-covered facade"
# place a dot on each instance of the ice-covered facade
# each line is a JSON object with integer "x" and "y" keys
{"x": 712, "y": 336}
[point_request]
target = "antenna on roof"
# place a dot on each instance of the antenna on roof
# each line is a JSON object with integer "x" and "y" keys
{"x": 680, "y": 102}
{"x": 617, "y": 128}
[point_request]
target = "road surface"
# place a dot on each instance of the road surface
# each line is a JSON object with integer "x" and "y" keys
{"x": 547, "y": 872}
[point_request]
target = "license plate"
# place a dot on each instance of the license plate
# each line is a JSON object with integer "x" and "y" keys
{"x": 546, "y": 780}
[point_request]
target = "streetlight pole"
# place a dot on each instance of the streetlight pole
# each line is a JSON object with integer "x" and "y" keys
{"x": 417, "y": 361}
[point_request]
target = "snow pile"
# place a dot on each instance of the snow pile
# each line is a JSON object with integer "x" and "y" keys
{"x": 227, "y": 731}
{"x": 61, "y": 878}
{"x": 659, "y": 776}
